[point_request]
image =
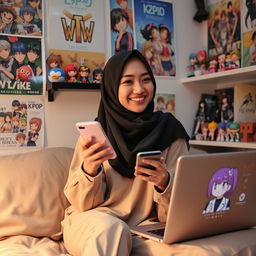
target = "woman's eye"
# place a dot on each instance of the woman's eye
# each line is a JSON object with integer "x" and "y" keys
{"x": 127, "y": 82}
{"x": 147, "y": 79}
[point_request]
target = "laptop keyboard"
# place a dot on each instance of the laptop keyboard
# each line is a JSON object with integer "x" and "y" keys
{"x": 159, "y": 232}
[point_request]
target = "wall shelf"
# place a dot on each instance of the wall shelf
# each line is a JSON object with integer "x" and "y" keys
{"x": 241, "y": 145}
{"x": 70, "y": 86}
{"x": 243, "y": 75}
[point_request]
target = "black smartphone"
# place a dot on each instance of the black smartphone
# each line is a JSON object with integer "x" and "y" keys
{"x": 154, "y": 155}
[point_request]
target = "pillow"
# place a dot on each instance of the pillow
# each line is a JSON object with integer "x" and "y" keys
{"x": 32, "y": 201}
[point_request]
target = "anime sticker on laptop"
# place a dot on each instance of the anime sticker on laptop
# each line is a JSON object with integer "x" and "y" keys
{"x": 221, "y": 185}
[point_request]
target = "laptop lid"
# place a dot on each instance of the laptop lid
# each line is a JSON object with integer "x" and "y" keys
{"x": 212, "y": 194}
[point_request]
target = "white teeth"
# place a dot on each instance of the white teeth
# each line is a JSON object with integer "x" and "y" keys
{"x": 138, "y": 99}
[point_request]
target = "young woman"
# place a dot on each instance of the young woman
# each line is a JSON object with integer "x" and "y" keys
{"x": 107, "y": 195}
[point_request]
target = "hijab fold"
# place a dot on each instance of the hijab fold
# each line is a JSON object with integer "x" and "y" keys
{"x": 130, "y": 132}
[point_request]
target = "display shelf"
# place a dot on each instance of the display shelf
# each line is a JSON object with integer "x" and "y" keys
{"x": 241, "y": 145}
{"x": 53, "y": 87}
{"x": 246, "y": 74}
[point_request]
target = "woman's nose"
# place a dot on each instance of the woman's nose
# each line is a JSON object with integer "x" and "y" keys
{"x": 137, "y": 87}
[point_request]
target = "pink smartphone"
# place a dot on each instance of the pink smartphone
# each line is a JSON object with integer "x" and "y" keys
{"x": 94, "y": 129}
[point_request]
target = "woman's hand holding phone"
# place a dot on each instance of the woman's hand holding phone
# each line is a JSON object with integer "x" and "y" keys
{"x": 94, "y": 154}
{"x": 95, "y": 145}
{"x": 151, "y": 169}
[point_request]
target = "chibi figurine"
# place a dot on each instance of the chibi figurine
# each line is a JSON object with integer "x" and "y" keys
{"x": 71, "y": 71}
{"x": 221, "y": 185}
{"x": 221, "y": 132}
{"x": 204, "y": 129}
{"x": 212, "y": 127}
{"x": 221, "y": 62}
{"x": 234, "y": 132}
{"x": 54, "y": 61}
{"x": 56, "y": 75}
{"x": 84, "y": 74}
{"x": 192, "y": 65}
{"x": 97, "y": 75}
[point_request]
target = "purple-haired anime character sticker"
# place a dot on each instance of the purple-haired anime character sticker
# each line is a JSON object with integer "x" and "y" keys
{"x": 221, "y": 185}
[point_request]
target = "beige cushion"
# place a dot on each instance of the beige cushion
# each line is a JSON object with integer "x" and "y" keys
{"x": 32, "y": 201}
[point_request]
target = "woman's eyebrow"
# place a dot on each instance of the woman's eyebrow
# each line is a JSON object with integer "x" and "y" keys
{"x": 131, "y": 75}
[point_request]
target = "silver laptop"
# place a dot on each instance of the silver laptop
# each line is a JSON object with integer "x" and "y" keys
{"x": 212, "y": 194}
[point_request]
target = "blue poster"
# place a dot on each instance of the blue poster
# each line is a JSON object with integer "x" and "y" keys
{"x": 122, "y": 26}
{"x": 154, "y": 31}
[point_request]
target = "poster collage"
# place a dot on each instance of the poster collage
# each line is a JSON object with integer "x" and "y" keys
{"x": 232, "y": 33}
{"x": 21, "y": 73}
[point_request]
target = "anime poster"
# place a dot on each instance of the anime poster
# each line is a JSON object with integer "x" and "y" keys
{"x": 21, "y": 70}
{"x": 76, "y": 40}
{"x": 248, "y": 27}
{"x": 21, "y": 17}
{"x": 122, "y": 26}
{"x": 165, "y": 102}
{"x": 224, "y": 28}
{"x": 155, "y": 36}
{"x": 21, "y": 122}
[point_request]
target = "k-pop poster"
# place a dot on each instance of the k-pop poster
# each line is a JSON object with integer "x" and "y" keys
{"x": 248, "y": 15}
{"x": 21, "y": 70}
{"x": 77, "y": 36}
{"x": 21, "y": 122}
{"x": 224, "y": 29}
{"x": 155, "y": 35}
{"x": 165, "y": 102}
{"x": 122, "y": 26}
{"x": 21, "y": 17}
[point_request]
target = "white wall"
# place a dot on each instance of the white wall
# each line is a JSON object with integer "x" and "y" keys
{"x": 72, "y": 106}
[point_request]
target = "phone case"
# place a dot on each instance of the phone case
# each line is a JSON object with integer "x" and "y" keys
{"x": 94, "y": 129}
{"x": 155, "y": 155}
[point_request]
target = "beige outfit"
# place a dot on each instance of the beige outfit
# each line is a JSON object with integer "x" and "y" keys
{"x": 102, "y": 207}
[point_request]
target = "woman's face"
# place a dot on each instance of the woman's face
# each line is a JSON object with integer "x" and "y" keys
{"x": 136, "y": 87}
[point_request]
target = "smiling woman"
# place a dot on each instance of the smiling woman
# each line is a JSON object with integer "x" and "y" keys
{"x": 107, "y": 195}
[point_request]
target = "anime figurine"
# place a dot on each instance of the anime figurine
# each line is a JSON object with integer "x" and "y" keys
{"x": 234, "y": 132}
{"x": 202, "y": 59}
{"x": 71, "y": 71}
{"x": 235, "y": 60}
{"x": 221, "y": 185}
{"x": 84, "y": 74}
{"x": 212, "y": 127}
{"x": 97, "y": 75}
{"x": 35, "y": 124}
{"x": 54, "y": 61}
{"x": 8, "y": 19}
{"x": 192, "y": 64}
{"x": 221, "y": 132}
{"x": 221, "y": 62}
{"x": 201, "y": 117}
{"x": 119, "y": 23}
{"x": 6, "y": 61}
{"x": 56, "y": 75}
{"x": 204, "y": 129}
{"x": 166, "y": 53}
{"x": 225, "y": 112}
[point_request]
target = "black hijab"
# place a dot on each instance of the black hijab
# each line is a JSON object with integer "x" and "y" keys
{"x": 131, "y": 132}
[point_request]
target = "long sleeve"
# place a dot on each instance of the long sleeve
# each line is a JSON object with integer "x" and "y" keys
{"x": 178, "y": 148}
{"x": 83, "y": 191}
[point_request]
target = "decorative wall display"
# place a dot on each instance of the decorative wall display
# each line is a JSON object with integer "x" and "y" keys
{"x": 224, "y": 27}
{"x": 77, "y": 38}
{"x": 165, "y": 102}
{"x": 21, "y": 122}
{"x": 122, "y": 27}
{"x": 155, "y": 35}
{"x": 22, "y": 17}
{"x": 21, "y": 68}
